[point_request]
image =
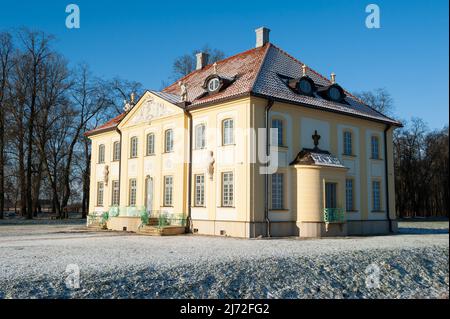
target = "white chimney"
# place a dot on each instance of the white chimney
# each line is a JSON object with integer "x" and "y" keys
{"x": 262, "y": 36}
{"x": 202, "y": 60}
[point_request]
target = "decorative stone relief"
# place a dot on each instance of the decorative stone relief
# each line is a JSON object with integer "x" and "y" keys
{"x": 106, "y": 174}
{"x": 211, "y": 162}
{"x": 150, "y": 109}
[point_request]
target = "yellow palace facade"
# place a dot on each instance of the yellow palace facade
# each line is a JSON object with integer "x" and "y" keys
{"x": 258, "y": 144}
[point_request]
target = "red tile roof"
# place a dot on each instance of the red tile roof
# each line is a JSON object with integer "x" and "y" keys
{"x": 244, "y": 67}
{"x": 257, "y": 71}
{"x": 107, "y": 126}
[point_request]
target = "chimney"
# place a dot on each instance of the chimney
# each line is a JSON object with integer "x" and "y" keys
{"x": 202, "y": 60}
{"x": 262, "y": 36}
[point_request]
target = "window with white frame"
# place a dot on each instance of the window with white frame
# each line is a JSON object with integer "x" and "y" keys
{"x": 227, "y": 189}
{"x": 376, "y": 195}
{"x": 150, "y": 144}
{"x": 132, "y": 192}
{"x": 277, "y": 139}
{"x": 349, "y": 194}
{"x": 116, "y": 151}
{"x": 375, "y": 147}
{"x": 115, "y": 193}
{"x": 277, "y": 191}
{"x": 133, "y": 147}
{"x": 200, "y": 138}
{"x": 348, "y": 143}
{"x": 168, "y": 190}
{"x": 100, "y": 192}
{"x": 168, "y": 138}
{"x": 228, "y": 132}
{"x": 101, "y": 153}
{"x": 199, "y": 190}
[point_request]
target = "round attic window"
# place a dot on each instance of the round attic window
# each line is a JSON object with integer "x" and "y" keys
{"x": 213, "y": 84}
{"x": 305, "y": 86}
{"x": 334, "y": 93}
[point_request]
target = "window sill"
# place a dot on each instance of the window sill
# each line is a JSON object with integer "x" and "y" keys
{"x": 376, "y": 159}
{"x": 378, "y": 211}
{"x": 166, "y": 206}
{"x": 232, "y": 144}
{"x": 352, "y": 211}
{"x": 153, "y": 154}
{"x": 226, "y": 207}
{"x": 115, "y": 160}
{"x": 168, "y": 152}
{"x": 134, "y": 157}
{"x": 197, "y": 206}
{"x": 199, "y": 148}
{"x": 349, "y": 155}
{"x": 279, "y": 210}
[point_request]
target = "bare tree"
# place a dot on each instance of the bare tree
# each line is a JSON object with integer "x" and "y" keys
{"x": 379, "y": 99}
{"x": 54, "y": 114}
{"x": 6, "y": 48}
{"x": 119, "y": 90}
{"x": 17, "y": 100}
{"x": 89, "y": 97}
{"x": 36, "y": 51}
{"x": 186, "y": 63}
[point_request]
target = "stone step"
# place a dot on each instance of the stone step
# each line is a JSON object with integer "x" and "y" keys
{"x": 161, "y": 231}
{"x": 96, "y": 227}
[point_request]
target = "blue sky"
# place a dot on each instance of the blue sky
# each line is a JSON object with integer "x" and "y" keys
{"x": 138, "y": 40}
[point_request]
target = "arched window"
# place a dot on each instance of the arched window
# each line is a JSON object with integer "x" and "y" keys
{"x": 150, "y": 144}
{"x": 348, "y": 143}
{"x": 101, "y": 153}
{"x": 228, "y": 131}
{"x": 168, "y": 137}
{"x": 133, "y": 147}
{"x": 375, "y": 147}
{"x": 277, "y": 140}
{"x": 200, "y": 139}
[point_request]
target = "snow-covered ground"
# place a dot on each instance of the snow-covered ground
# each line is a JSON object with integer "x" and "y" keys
{"x": 34, "y": 259}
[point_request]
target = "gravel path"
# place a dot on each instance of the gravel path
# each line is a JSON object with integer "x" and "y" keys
{"x": 33, "y": 261}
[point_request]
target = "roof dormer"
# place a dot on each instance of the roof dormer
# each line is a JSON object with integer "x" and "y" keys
{"x": 333, "y": 92}
{"x": 215, "y": 82}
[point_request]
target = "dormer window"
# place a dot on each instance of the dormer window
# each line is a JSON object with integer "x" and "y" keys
{"x": 333, "y": 93}
{"x": 213, "y": 85}
{"x": 306, "y": 86}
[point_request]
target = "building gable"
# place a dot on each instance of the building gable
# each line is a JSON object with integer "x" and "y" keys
{"x": 149, "y": 108}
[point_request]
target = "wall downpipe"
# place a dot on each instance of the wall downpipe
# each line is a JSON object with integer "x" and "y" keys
{"x": 266, "y": 176}
{"x": 189, "y": 219}
{"x": 386, "y": 176}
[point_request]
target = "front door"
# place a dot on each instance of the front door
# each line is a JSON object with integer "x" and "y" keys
{"x": 149, "y": 194}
